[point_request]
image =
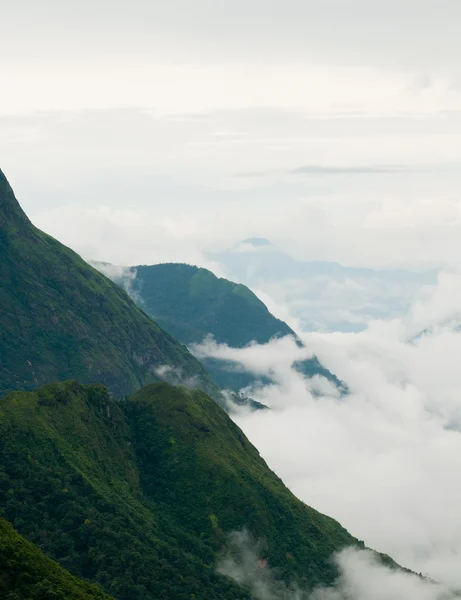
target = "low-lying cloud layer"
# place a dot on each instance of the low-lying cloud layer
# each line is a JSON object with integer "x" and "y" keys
{"x": 361, "y": 577}
{"x": 385, "y": 460}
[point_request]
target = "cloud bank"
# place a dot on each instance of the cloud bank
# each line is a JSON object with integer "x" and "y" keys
{"x": 386, "y": 460}
{"x": 361, "y": 577}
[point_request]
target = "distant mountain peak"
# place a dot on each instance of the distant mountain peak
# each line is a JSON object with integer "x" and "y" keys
{"x": 257, "y": 242}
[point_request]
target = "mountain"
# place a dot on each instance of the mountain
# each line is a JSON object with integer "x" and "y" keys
{"x": 256, "y": 259}
{"x": 257, "y": 242}
{"x": 141, "y": 495}
{"x": 323, "y": 295}
{"x": 28, "y": 574}
{"x": 192, "y": 303}
{"x": 62, "y": 319}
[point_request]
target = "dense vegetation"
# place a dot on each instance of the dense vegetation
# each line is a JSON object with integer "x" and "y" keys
{"x": 139, "y": 495}
{"x": 27, "y": 574}
{"x": 191, "y": 303}
{"x": 61, "y": 319}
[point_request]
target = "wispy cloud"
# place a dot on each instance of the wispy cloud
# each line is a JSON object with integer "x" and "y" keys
{"x": 351, "y": 170}
{"x": 362, "y": 576}
{"x": 364, "y": 169}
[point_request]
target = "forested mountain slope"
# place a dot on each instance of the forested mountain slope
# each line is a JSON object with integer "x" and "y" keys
{"x": 27, "y": 574}
{"x": 60, "y": 318}
{"x": 192, "y": 303}
{"x": 140, "y": 495}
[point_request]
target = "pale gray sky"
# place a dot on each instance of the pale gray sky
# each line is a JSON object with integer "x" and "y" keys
{"x": 328, "y": 126}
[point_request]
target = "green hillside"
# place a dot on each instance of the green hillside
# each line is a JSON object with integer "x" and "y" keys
{"x": 140, "y": 495}
{"x": 62, "y": 319}
{"x": 191, "y": 303}
{"x": 27, "y": 574}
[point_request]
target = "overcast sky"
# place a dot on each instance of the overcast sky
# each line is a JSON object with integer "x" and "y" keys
{"x": 329, "y": 127}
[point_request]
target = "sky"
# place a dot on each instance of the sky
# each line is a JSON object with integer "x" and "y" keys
{"x": 154, "y": 131}
{"x": 327, "y": 127}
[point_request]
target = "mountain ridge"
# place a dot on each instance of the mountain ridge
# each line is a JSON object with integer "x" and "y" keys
{"x": 10, "y": 209}
{"x": 235, "y": 261}
{"x": 61, "y": 318}
{"x": 192, "y": 303}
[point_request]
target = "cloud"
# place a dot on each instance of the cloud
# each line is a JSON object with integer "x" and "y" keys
{"x": 341, "y": 302}
{"x": 175, "y": 376}
{"x": 165, "y": 185}
{"x": 243, "y": 563}
{"x": 276, "y": 361}
{"x": 122, "y": 236}
{"x": 366, "y": 169}
{"x": 350, "y": 170}
{"x": 122, "y": 276}
{"x": 258, "y": 358}
{"x": 385, "y": 460}
{"x": 362, "y": 576}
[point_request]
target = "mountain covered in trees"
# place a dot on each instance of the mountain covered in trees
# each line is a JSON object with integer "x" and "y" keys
{"x": 140, "y": 495}
{"x": 27, "y": 573}
{"x": 60, "y": 318}
{"x": 192, "y": 303}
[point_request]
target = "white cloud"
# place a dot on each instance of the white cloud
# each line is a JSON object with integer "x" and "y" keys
{"x": 175, "y": 376}
{"x": 386, "y": 460}
{"x": 362, "y": 576}
{"x": 420, "y": 213}
{"x": 121, "y": 236}
{"x": 337, "y": 303}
